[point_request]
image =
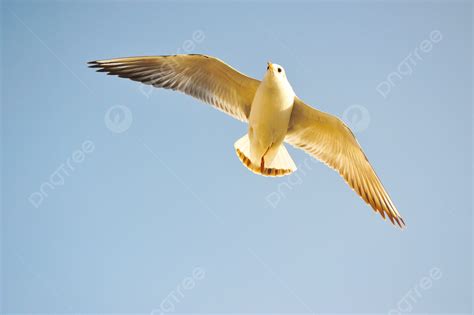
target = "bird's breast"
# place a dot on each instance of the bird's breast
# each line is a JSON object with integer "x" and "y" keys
{"x": 270, "y": 112}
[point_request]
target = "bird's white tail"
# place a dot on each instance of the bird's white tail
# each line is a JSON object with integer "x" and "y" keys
{"x": 281, "y": 165}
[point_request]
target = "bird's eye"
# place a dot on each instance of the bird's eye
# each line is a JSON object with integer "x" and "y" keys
{"x": 279, "y": 69}
{"x": 268, "y": 67}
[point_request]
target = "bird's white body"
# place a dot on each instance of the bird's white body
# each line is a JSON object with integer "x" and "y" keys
{"x": 270, "y": 115}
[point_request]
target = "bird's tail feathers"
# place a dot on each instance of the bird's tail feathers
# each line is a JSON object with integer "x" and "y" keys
{"x": 281, "y": 165}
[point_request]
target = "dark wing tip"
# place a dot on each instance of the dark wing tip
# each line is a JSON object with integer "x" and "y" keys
{"x": 394, "y": 218}
{"x": 402, "y": 225}
{"x": 98, "y": 66}
{"x": 94, "y": 64}
{"x": 399, "y": 221}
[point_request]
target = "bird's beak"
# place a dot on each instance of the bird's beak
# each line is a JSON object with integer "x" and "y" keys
{"x": 269, "y": 65}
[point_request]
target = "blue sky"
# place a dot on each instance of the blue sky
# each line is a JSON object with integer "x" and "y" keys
{"x": 137, "y": 213}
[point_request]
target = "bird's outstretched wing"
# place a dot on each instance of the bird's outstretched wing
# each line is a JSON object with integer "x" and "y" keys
{"x": 204, "y": 77}
{"x": 328, "y": 139}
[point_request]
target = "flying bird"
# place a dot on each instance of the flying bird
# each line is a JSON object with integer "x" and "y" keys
{"x": 274, "y": 115}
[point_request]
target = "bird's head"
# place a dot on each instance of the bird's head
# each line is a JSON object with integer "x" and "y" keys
{"x": 275, "y": 70}
{"x": 276, "y": 76}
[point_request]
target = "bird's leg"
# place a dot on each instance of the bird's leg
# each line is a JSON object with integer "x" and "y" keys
{"x": 262, "y": 160}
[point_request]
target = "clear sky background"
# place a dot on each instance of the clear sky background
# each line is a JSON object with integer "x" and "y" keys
{"x": 156, "y": 192}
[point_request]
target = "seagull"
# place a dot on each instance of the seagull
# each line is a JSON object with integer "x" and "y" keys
{"x": 274, "y": 115}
